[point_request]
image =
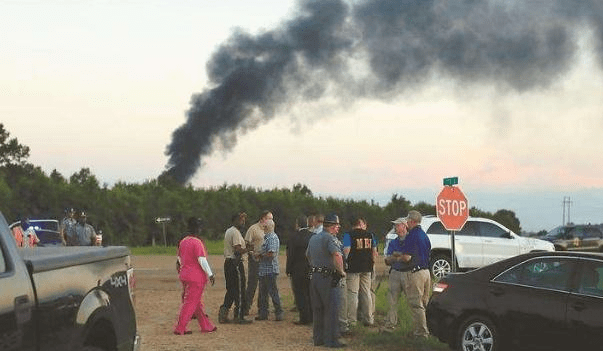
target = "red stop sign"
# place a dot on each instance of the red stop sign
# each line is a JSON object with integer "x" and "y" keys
{"x": 452, "y": 208}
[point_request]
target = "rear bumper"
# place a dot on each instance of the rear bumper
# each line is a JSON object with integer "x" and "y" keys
{"x": 440, "y": 324}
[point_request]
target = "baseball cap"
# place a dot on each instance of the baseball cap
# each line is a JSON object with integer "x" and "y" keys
{"x": 399, "y": 220}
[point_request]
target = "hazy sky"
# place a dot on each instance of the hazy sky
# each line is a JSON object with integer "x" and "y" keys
{"x": 104, "y": 84}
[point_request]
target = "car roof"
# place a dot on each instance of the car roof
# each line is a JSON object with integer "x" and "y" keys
{"x": 428, "y": 220}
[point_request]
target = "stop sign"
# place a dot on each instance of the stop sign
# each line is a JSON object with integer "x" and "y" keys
{"x": 452, "y": 208}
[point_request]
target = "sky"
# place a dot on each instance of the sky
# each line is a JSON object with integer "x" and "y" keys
{"x": 343, "y": 97}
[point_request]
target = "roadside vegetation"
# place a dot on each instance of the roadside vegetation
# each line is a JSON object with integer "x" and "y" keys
{"x": 127, "y": 213}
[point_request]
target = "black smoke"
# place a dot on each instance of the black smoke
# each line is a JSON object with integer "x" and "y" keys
{"x": 377, "y": 49}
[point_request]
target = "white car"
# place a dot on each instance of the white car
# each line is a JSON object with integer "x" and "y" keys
{"x": 481, "y": 241}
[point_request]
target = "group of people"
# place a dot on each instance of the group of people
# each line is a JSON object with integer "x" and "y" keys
{"x": 73, "y": 230}
{"x": 25, "y": 234}
{"x": 261, "y": 244}
{"x": 332, "y": 274}
{"x": 76, "y": 231}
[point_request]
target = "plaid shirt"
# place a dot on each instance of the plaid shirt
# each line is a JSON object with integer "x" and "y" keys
{"x": 269, "y": 265}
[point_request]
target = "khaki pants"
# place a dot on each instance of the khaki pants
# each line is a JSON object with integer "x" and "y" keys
{"x": 417, "y": 290}
{"x": 397, "y": 281}
{"x": 359, "y": 289}
{"x": 342, "y": 313}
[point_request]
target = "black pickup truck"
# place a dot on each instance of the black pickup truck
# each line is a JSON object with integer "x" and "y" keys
{"x": 65, "y": 298}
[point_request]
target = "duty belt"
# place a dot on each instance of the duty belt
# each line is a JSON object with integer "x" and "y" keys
{"x": 323, "y": 270}
{"x": 417, "y": 268}
{"x": 403, "y": 269}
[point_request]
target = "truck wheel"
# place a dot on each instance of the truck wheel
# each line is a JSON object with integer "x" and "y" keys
{"x": 441, "y": 264}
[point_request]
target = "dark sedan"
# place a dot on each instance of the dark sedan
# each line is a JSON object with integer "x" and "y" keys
{"x": 545, "y": 300}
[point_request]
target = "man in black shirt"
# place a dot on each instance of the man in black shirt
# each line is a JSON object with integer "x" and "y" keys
{"x": 360, "y": 251}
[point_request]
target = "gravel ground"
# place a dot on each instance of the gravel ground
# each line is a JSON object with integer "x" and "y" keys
{"x": 157, "y": 299}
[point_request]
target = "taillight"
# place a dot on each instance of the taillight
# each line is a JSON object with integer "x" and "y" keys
{"x": 131, "y": 283}
{"x": 440, "y": 287}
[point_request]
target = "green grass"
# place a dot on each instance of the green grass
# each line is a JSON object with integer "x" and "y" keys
{"x": 214, "y": 247}
{"x": 370, "y": 339}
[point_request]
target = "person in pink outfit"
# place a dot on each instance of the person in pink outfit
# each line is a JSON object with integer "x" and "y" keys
{"x": 194, "y": 273}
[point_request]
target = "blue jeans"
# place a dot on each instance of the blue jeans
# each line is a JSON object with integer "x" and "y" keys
{"x": 268, "y": 288}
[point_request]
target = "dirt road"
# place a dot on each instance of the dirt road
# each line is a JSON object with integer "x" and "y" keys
{"x": 158, "y": 294}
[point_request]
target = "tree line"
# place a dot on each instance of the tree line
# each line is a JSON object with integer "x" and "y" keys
{"x": 127, "y": 212}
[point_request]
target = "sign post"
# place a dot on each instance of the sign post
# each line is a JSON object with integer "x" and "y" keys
{"x": 452, "y": 209}
{"x": 163, "y": 221}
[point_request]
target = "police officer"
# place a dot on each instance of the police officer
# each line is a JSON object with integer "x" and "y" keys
{"x": 85, "y": 235}
{"x": 68, "y": 227}
{"x": 326, "y": 260}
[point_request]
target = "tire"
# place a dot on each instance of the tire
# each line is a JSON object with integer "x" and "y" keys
{"x": 478, "y": 334}
{"x": 441, "y": 265}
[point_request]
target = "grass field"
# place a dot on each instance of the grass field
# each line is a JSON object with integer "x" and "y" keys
{"x": 214, "y": 247}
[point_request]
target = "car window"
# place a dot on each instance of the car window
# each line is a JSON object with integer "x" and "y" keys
{"x": 548, "y": 273}
{"x": 48, "y": 225}
{"x": 492, "y": 230}
{"x": 469, "y": 229}
{"x": 591, "y": 232}
{"x": 591, "y": 279}
{"x": 436, "y": 228}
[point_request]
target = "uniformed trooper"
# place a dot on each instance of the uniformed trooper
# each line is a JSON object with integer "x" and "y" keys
{"x": 326, "y": 261}
{"x": 85, "y": 235}
{"x": 68, "y": 228}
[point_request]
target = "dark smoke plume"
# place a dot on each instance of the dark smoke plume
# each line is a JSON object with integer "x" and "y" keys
{"x": 377, "y": 49}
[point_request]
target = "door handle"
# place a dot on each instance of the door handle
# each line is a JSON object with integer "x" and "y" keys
{"x": 21, "y": 300}
{"x": 22, "y": 309}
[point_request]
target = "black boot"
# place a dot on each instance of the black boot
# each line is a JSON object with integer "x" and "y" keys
{"x": 223, "y": 315}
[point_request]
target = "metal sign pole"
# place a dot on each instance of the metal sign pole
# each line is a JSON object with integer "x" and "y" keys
{"x": 452, "y": 246}
{"x": 164, "y": 236}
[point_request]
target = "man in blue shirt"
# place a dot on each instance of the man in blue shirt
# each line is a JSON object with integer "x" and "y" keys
{"x": 415, "y": 251}
{"x": 397, "y": 274}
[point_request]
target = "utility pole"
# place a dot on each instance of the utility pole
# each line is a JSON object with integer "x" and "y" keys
{"x": 566, "y": 201}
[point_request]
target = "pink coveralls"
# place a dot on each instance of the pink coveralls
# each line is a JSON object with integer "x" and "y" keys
{"x": 193, "y": 279}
